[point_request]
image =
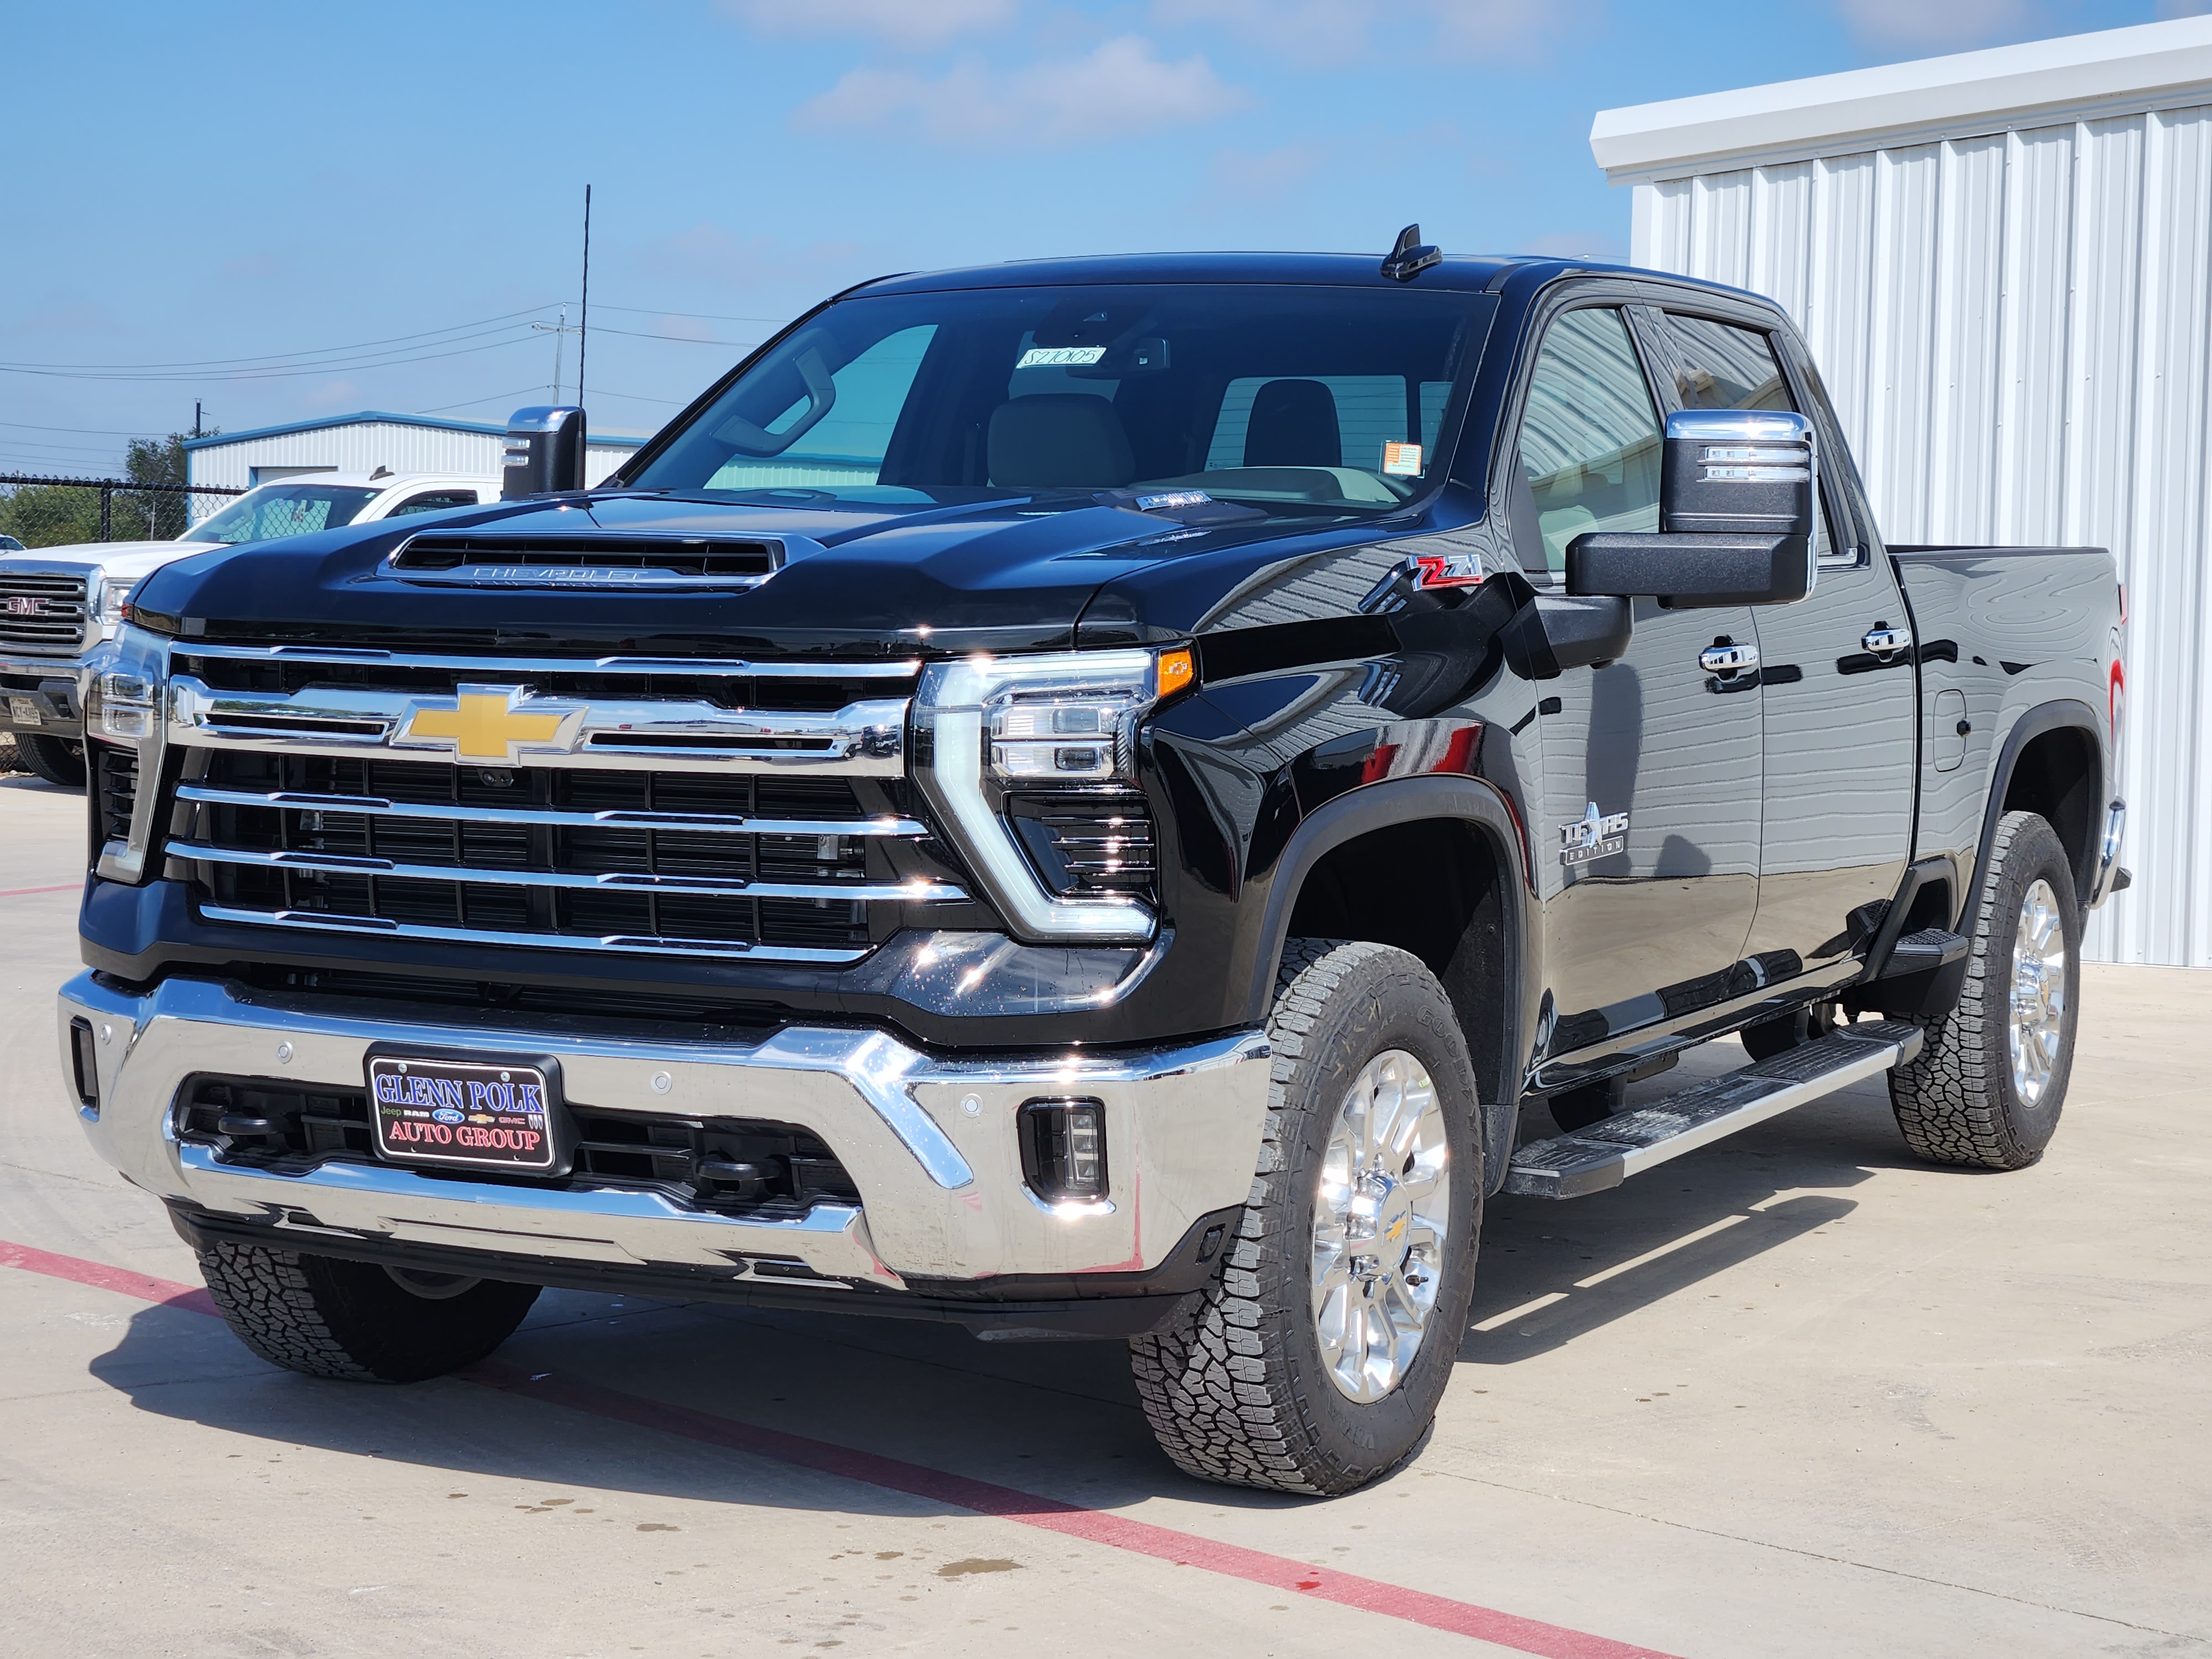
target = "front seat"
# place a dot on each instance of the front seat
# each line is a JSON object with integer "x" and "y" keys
{"x": 1293, "y": 424}
{"x": 1059, "y": 441}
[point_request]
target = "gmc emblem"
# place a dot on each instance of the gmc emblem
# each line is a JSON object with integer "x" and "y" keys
{"x": 23, "y": 604}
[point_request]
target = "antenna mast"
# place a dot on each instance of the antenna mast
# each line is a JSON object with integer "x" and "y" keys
{"x": 584, "y": 321}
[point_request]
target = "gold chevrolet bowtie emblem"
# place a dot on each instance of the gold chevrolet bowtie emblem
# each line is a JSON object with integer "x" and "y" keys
{"x": 484, "y": 722}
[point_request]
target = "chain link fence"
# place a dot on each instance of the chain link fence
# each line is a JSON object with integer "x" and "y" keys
{"x": 40, "y": 511}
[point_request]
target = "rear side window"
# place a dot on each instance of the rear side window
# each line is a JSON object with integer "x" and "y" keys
{"x": 1720, "y": 366}
{"x": 434, "y": 500}
{"x": 1591, "y": 436}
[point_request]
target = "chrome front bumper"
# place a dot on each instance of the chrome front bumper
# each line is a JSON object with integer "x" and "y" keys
{"x": 58, "y": 694}
{"x": 930, "y": 1143}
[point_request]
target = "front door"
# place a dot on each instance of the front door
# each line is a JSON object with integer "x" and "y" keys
{"x": 1838, "y": 709}
{"x": 1647, "y": 854}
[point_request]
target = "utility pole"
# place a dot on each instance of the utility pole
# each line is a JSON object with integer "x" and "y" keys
{"x": 584, "y": 320}
{"x": 196, "y": 418}
{"x": 557, "y": 330}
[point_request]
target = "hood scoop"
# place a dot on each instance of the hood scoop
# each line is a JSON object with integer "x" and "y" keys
{"x": 604, "y": 562}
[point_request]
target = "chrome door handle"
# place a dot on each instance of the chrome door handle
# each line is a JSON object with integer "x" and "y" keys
{"x": 1887, "y": 641}
{"x": 1728, "y": 659}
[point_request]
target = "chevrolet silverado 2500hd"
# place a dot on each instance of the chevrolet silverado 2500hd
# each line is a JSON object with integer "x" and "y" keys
{"x": 1086, "y": 798}
{"x": 57, "y": 602}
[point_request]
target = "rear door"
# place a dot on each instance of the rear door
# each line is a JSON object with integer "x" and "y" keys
{"x": 1836, "y": 670}
{"x": 1647, "y": 856}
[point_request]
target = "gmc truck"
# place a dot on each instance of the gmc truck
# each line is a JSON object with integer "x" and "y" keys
{"x": 1113, "y": 798}
{"x": 57, "y": 602}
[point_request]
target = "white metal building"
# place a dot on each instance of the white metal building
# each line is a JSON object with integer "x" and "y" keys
{"x": 363, "y": 442}
{"x": 2003, "y": 263}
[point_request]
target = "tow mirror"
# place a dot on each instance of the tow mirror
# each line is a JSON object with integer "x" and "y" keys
{"x": 545, "y": 452}
{"x": 1737, "y": 492}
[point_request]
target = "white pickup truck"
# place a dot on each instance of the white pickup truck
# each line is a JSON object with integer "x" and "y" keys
{"x": 57, "y": 603}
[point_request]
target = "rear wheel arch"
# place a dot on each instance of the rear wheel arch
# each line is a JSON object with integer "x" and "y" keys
{"x": 2051, "y": 764}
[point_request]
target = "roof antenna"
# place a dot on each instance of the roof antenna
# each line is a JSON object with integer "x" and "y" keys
{"x": 1411, "y": 257}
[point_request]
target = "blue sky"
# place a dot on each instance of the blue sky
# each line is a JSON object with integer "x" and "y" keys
{"x": 374, "y": 203}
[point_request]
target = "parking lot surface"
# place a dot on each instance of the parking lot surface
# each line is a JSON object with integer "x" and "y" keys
{"x": 1793, "y": 1395}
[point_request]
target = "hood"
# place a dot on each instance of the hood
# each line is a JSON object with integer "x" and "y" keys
{"x": 1008, "y": 574}
{"x": 110, "y": 558}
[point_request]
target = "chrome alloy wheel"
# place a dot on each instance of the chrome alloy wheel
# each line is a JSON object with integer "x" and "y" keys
{"x": 2039, "y": 993}
{"x": 1379, "y": 1224}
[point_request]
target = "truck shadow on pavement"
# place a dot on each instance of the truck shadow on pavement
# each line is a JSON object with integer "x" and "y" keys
{"x": 1060, "y": 1419}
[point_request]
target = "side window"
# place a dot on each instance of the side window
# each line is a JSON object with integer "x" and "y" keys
{"x": 434, "y": 500}
{"x": 1590, "y": 437}
{"x": 845, "y": 445}
{"x": 1719, "y": 366}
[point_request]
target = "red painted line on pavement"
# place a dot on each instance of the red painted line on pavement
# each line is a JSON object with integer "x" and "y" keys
{"x": 24, "y": 893}
{"x": 163, "y": 1292}
{"x": 1183, "y": 1549}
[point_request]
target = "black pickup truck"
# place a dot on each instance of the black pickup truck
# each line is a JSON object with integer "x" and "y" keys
{"x": 1107, "y": 798}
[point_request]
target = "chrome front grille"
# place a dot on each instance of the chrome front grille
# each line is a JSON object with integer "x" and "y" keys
{"x": 42, "y": 612}
{"x": 644, "y": 807}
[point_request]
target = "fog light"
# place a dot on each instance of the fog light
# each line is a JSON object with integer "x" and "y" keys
{"x": 1063, "y": 1148}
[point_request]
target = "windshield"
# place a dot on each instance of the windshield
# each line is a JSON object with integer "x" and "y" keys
{"x": 1292, "y": 400}
{"x": 283, "y": 509}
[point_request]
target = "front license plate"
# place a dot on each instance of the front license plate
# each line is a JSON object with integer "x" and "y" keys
{"x": 463, "y": 1114}
{"x": 25, "y": 711}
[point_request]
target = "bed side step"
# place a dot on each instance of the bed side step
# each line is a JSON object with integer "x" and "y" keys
{"x": 1606, "y": 1154}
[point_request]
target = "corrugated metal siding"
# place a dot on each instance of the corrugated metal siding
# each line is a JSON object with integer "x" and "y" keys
{"x": 364, "y": 446}
{"x": 2016, "y": 330}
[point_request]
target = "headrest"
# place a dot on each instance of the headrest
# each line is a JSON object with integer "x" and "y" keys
{"x": 1059, "y": 441}
{"x": 1293, "y": 424}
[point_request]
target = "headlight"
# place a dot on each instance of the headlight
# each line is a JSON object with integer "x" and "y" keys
{"x": 125, "y": 693}
{"x": 114, "y": 594}
{"x": 993, "y": 724}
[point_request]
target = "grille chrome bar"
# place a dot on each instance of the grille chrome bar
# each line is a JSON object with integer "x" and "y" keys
{"x": 652, "y": 945}
{"x": 46, "y": 613}
{"x": 707, "y": 823}
{"x": 862, "y": 739}
{"x": 918, "y": 891}
{"x": 735, "y": 668}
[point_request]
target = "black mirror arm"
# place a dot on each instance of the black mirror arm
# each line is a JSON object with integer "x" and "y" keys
{"x": 1554, "y": 632}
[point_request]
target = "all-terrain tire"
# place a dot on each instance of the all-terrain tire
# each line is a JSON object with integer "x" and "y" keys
{"x": 1235, "y": 1387}
{"x": 1956, "y": 1103}
{"x": 55, "y": 759}
{"x": 353, "y": 1320}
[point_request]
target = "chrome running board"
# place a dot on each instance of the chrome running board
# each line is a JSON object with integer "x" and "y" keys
{"x": 1606, "y": 1154}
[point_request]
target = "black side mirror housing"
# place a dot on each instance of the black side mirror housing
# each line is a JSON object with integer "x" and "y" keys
{"x": 545, "y": 454}
{"x": 1737, "y": 493}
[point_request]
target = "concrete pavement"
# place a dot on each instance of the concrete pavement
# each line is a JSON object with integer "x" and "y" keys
{"x": 1793, "y": 1395}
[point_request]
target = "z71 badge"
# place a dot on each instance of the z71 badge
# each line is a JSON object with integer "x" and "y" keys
{"x": 1593, "y": 836}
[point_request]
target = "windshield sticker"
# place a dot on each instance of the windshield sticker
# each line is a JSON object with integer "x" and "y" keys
{"x": 1061, "y": 356}
{"x": 1401, "y": 460}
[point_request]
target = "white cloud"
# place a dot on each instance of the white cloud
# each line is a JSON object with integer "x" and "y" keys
{"x": 705, "y": 252}
{"x": 1121, "y": 89}
{"x": 915, "y": 25}
{"x": 1318, "y": 31}
{"x": 1264, "y": 177}
{"x": 1479, "y": 28}
{"x": 1314, "y": 31}
{"x": 1934, "y": 25}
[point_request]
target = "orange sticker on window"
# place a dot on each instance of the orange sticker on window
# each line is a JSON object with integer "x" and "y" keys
{"x": 1401, "y": 460}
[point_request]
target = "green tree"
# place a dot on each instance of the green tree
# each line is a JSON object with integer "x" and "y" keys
{"x": 59, "y": 515}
